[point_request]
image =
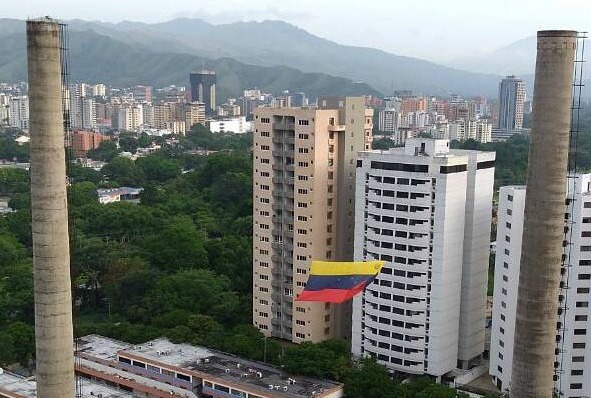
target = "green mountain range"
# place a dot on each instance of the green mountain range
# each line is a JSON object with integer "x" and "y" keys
{"x": 98, "y": 58}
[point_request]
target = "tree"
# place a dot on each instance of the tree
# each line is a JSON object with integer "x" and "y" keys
{"x": 125, "y": 172}
{"x": 370, "y": 380}
{"x": 106, "y": 151}
{"x": 178, "y": 246}
{"x": 326, "y": 359}
{"x": 82, "y": 193}
{"x": 158, "y": 168}
{"x": 128, "y": 143}
{"x": 199, "y": 292}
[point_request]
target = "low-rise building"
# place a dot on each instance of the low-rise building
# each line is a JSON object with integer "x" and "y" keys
{"x": 160, "y": 368}
{"x": 123, "y": 194}
{"x": 16, "y": 386}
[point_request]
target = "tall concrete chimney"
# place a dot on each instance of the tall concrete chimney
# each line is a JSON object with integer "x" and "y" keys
{"x": 51, "y": 257}
{"x": 543, "y": 234}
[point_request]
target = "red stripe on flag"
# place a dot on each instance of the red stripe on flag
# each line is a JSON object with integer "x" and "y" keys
{"x": 332, "y": 295}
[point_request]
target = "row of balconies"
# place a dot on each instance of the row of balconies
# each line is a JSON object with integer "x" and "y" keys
{"x": 280, "y": 139}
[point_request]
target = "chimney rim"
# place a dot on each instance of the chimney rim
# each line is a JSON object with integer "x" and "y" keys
{"x": 558, "y": 33}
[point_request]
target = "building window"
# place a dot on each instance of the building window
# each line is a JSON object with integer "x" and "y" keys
{"x": 584, "y": 277}
{"x": 300, "y": 335}
{"x": 505, "y": 278}
{"x": 265, "y": 120}
{"x": 581, "y": 318}
{"x": 576, "y": 386}
{"x": 579, "y": 345}
{"x": 300, "y": 322}
{"x": 582, "y": 304}
{"x": 580, "y": 332}
{"x": 303, "y": 122}
{"x": 510, "y": 198}
{"x": 576, "y": 372}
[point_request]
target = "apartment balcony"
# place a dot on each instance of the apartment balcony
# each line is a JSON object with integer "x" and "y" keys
{"x": 277, "y": 245}
{"x": 276, "y": 322}
{"x": 281, "y": 153}
{"x": 278, "y": 167}
{"x": 284, "y": 125}
{"x": 288, "y": 193}
{"x": 337, "y": 127}
{"x": 276, "y": 297}
{"x": 278, "y": 180}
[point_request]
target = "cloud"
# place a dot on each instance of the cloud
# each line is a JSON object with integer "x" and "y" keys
{"x": 236, "y": 15}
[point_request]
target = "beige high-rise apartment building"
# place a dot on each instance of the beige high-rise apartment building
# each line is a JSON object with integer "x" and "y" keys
{"x": 303, "y": 210}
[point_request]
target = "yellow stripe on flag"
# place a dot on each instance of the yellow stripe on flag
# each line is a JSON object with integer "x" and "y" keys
{"x": 346, "y": 268}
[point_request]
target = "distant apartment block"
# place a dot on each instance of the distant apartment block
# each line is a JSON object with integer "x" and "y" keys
{"x": 85, "y": 141}
{"x": 573, "y": 335}
{"x": 142, "y": 93}
{"x": 19, "y": 112}
{"x": 194, "y": 114}
{"x": 389, "y": 120}
{"x": 304, "y": 185}
{"x": 237, "y": 125}
{"x": 203, "y": 89}
{"x": 425, "y": 209}
{"x": 511, "y": 103}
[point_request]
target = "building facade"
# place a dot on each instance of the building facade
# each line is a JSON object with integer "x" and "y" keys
{"x": 237, "y": 125}
{"x": 85, "y": 141}
{"x": 203, "y": 89}
{"x": 511, "y": 100}
{"x": 573, "y": 340}
{"x": 426, "y": 211}
{"x": 304, "y": 182}
{"x": 19, "y": 112}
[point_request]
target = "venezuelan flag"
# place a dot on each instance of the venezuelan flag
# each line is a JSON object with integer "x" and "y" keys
{"x": 337, "y": 282}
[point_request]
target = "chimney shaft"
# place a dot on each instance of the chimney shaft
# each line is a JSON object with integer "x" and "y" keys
{"x": 51, "y": 257}
{"x": 543, "y": 233}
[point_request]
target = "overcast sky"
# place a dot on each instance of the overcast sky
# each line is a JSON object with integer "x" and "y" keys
{"x": 438, "y": 30}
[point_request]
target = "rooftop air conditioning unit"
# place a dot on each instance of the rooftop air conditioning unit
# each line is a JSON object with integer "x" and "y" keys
{"x": 227, "y": 370}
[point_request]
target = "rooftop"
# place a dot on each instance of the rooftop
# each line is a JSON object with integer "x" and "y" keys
{"x": 228, "y": 368}
{"x": 25, "y": 387}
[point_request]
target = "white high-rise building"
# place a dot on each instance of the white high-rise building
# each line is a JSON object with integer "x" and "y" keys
{"x": 389, "y": 120}
{"x": 88, "y": 114}
{"x": 19, "y": 112}
{"x": 426, "y": 210}
{"x": 99, "y": 90}
{"x": 573, "y": 335}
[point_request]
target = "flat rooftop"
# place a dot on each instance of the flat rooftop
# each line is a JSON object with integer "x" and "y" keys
{"x": 25, "y": 387}
{"x": 225, "y": 367}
